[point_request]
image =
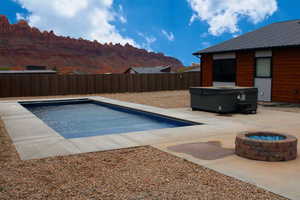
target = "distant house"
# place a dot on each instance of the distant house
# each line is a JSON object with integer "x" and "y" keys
{"x": 197, "y": 69}
{"x": 267, "y": 58}
{"x": 12, "y": 72}
{"x": 194, "y": 67}
{"x": 148, "y": 70}
{"x": 35, "y": 67}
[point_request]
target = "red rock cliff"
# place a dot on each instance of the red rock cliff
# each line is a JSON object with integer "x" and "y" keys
{"x": 22, "y": 45}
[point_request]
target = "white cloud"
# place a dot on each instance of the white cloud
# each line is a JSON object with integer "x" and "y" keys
{"x": 149, "y": 40}
{"x": 192, "y": 19}
{"x": 169, "y": 36}
{"x": 205, "y": 44}
{"x": 123, "y": 19}
{"x": 20, "y": 16}
{"x": 121, "y": 16}
{"x": 204, "y": 34}
{"x": 89, "y": 19}
{"x": 223, "y": 15}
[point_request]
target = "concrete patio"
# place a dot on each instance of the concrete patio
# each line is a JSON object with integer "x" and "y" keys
{"x": 279, "y": 177}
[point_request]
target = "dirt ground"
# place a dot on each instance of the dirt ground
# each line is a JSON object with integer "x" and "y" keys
{"x": 134, "y": 173}
{"x": 164, "y": 99}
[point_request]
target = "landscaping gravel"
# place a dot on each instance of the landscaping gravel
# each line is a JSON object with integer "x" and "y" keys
{"x": 133, "y": 174}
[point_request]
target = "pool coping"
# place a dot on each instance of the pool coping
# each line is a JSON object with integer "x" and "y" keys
{"x": 34, "y": 139}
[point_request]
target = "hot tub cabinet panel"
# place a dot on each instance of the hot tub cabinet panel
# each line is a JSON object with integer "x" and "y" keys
{"x": 224, "y": 99}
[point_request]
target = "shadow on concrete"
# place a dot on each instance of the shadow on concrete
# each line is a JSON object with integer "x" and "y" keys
{"x": 210, "y": 150}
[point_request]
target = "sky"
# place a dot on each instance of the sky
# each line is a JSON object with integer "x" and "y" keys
{"x": 176, "y": 28}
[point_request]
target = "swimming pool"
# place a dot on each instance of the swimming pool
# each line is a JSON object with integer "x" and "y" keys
{"x": 85, "y": 118}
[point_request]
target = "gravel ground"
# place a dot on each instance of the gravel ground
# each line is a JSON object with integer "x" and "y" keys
{"x": 164, "y": 99}
{"x": 134, "y": 173}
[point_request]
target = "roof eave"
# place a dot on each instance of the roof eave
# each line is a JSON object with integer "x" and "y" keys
{"x": 245, "y": 49}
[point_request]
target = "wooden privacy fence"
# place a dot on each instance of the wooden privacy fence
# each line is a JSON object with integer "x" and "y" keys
{"x": 17, "y": 85}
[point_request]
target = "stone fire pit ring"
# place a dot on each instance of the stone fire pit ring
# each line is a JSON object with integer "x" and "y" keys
{"x": 266, "y": 146}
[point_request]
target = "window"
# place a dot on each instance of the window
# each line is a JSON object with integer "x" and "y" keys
{"x": 224, "y": 70}
{"x": 263, "y": 67}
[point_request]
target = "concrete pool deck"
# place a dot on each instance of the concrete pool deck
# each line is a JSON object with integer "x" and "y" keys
{"x": 34, "y": 139}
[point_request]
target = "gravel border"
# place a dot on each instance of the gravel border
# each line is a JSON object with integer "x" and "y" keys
{"x": 133, "y": 173}
{"x": 162, "y": 99}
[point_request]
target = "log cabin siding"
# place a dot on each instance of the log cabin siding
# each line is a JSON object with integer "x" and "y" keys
{"x": 245, "y": 62}
{"x": 286, "y": 75}
{"x": 206, "y": 70}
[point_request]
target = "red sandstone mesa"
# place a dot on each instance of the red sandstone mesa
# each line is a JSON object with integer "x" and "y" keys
{"x": 22, "y": 45}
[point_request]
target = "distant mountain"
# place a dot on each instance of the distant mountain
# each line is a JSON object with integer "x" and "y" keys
{"x": 22, "y": 45}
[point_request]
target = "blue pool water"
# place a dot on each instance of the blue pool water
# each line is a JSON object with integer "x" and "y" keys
{"x": 269, "y": 137}
{"x": 86, "y": 118}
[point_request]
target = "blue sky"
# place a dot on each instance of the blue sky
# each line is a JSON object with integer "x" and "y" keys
{"x": 174, "y": 27}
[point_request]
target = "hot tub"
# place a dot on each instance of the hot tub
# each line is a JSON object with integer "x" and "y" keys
{"x": 224, "y": 99}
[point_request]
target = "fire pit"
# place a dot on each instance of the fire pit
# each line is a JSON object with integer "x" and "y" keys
{"x": 266, "y": 146}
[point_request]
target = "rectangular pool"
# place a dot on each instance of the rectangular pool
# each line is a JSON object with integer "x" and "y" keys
{"x": 85, "y": 118}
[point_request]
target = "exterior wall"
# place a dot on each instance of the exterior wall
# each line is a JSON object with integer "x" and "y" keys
{"x": 286, "y": 75}
{"x": 245, "y": 61}
{"x": 244, "y": 66}
{"x": 206, "y": 70}
{"x": 285, "y": 72}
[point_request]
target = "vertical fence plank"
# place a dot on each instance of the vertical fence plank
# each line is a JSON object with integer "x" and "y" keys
{"x": 149, "y": 82}
{"x": 35, "y": 85}
{"x": 123, "y": 84}
{"x": 164, "y": 80}
{"x": 115, "y": 82}
{"x": 73, "y": 84}
{"x": 99, "y": 83}
{"x": 106, "y": 83}
{"x": 143, "y": 83}
{"x": 146, "y": 82}
{"x": 5, "y": 86}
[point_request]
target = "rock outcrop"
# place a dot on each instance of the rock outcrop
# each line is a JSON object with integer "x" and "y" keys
{"x": 22, "y": 45}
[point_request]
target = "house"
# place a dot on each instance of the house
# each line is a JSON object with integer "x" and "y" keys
{"x": 267, "y": 58}
{"x": 194, "y": 67}
{"x": 197, "y": 69}
{"x": 35, "y": 67}
{"x": 19, "y": 72}
{"x": 148, "y": 70}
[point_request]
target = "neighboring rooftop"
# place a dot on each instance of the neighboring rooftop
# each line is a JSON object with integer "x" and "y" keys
{"x": 27, "y": 72}
{"x": 150, "y": 70}
{"x": 280, "y": 34}
{"x": 197, "y": 69}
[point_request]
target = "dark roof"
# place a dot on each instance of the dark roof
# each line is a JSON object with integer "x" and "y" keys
{"x": 150, "y": 70}
{"x": 27, "y": 71}
{"x": 280, "y": 34}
